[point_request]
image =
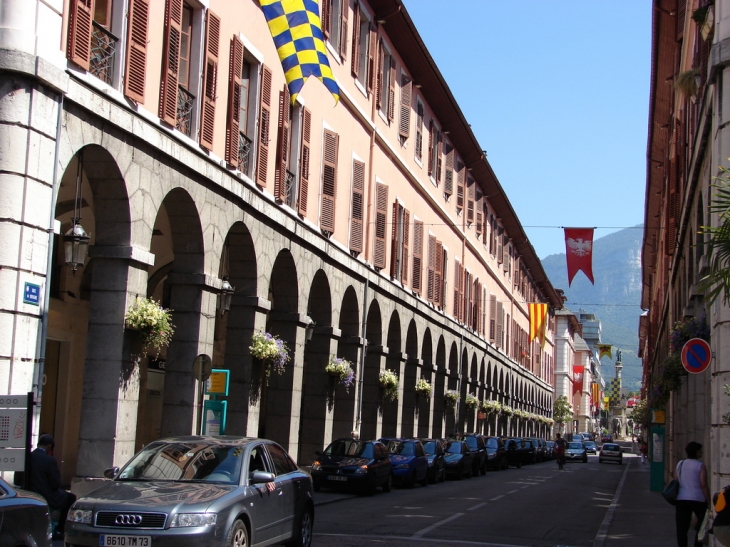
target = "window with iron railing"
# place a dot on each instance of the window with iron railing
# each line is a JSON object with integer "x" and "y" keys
{"x": 103, "y": 52}
{"x": 185, "y": 104}
{"x": 289, "y": 196}
{"x": 245, "y": 154}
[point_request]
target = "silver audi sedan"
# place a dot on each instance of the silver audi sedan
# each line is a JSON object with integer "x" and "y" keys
{"x": 198, "y": 491}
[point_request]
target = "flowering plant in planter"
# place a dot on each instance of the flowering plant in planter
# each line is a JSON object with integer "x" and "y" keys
{"x": 451, "y": 397}
{"x": 471, "y": 401}
{"x": 491, "y": 407}
{"x": 152, "y": 320}
{"x": 389, "y": 382}
{"x": 507, "y": 410}
{"x": 271, "y": 350}
{"x": 342, "y": 369}
{"x": 424, "y": 388}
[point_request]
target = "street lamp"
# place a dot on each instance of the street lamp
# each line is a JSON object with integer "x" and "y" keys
{"x": 225, "y": 295}
{"x": 309, "y": 330}
{"x": 76, "y": 240}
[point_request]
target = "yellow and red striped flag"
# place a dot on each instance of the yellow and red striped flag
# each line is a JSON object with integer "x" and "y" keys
{"x": 538, "y": 322}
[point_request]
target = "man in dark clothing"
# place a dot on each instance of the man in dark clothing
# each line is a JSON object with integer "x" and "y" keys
{"x": 45, "y": 479}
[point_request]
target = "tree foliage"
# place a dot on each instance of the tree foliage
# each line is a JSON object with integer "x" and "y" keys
{"x": 561, "y": 410}
{"x": 717, "y": 281}
{"x": 640, "y": 414}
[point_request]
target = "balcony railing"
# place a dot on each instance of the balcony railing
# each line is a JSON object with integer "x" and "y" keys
{"x": 185, "y": 104}
{"x": 245, "y": 149}
{"x": 103, "y": 51}
{"x": 288, "y": 190}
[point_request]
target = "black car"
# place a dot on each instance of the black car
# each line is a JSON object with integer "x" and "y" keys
{"x": 24, "y": 518}
{"x": 517, "y": 452}
{"x": 353, "y": 464}
{"x": 478, "y": 450}
{"x": 458, "y": 458}
{"x": 531, "y": 448}
{"x": 496, "y": 453}
{"x": 435, "y": 453}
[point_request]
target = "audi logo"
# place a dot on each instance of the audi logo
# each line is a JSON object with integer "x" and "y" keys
{"x": 129, "y": 520}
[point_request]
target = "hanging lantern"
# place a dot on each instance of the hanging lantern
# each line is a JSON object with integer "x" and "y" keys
{"x": 225, "y": 296}
{"x": 76, "y": 244}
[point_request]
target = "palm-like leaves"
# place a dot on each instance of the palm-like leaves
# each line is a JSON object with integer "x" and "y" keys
{"x": 717, "y": 281}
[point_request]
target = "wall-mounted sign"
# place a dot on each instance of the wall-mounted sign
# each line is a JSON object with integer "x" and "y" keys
{"x": 696, "y": 355}
{"x": 217, "y": 383}
{"x": 214, "y": 417}
{"x": 32, "y": 294}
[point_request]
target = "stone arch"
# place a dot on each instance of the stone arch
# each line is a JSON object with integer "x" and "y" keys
{"x": 349, "y": 347}
{"x": 428, "y": 372}
{"x": 371, "y": 426}
{"x": 393, "y": 361}
{"x": 411, "y": 407}
{"x": 451, "y": 414}
{"x": 439, "y": 408}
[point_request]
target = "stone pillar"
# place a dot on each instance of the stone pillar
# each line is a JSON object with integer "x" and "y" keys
{"x": 425, "y": 405}
{"x": 193, "y": 299}
{"x": 372, "y": 394}
{"x": 392, "y": 411}
{"x": 344, "y": 412}
{"x": 408, "y": 402}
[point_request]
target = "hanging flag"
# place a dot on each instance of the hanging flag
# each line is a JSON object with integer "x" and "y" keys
{"x": 596, "y": 394}
{"x": 579, "y": 252}
{"x": 297, "y": 31}
{"x": 578, "y": 372}
{"x": 603, "y": 350}
{"x": 538, "y": 322}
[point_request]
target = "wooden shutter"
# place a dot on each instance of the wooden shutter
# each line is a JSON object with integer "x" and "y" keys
{"x": 264, "y": 127}
{"x": 329, "y": 181}
{"x": 439, "y": 147}
{"x": 343, "y": 29}
{"x": 430, "y": 148}
{"x": 419, "y": 130}
{"x": 391, "y": 90}
{"x": 449, "y": 173}
{"x": 358, "y": 190}
{"x": 417, "y": 256}
{"x": 462, "y": 292}
{"x": 406, "y": 243}
{"x": 304, "y": 161}
{"x": 372, "y": 61}
{"x": 500, "y": 324}
{"x": 355, "y": 61}
{"x": 136, "y": 67}
{"x": 500, "y": 248}
{"x": 460, "y": 176}
{"x": 235, "y": 67}
{"x": 492, "y": 318}
{"x": 210, "y": 79}
{"x": 478, "y": 207}
{"x": 430, "y": 278}
{"x": 379, "y": 76}
{"x": 506, "y": 251}
{"x": 406, "y": 88}
{"x": 381, "y": 213}
{"x": 438, "y": 276}
{"x": 282, "y": 145}
{"x": 170, "y": 61}
{"x": 78, "y": 46}
{"x": 457, "y": 291}
{"x": 326, "y": 18}
{"x": 470, "y": 195}
{"x": 484, "y": 312}
{"x": 394, "y": 266}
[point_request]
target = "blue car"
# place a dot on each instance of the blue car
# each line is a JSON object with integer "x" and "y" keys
{"x": 409, "y": 461}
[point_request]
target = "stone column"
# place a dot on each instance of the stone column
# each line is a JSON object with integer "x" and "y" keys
{"x": 409, "y": 401}
{"x": 392, "y": 411}
{"x": 372, "y": 394}
{"x": 426, "y": 404}
{"x": 344, "y": 412}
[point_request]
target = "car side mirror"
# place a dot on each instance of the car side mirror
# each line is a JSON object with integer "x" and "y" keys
{"x": 111, "y": 472}
{"x": 260, "y": 477}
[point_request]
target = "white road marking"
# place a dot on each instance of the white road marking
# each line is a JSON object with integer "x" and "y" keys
{"x": 513, "y": 491}
{"x": 603, "y": 529}
{"x": 477, "y": 506}
{"x": 497, "y": 498}
{"x": 420, "y": 533}
{"x": 420, "y": 540}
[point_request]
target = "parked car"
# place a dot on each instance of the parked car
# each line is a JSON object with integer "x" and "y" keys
{"x": 435, "y": 453}
{"x": 550, "y": 450}
{"x": 539, "y": 445}
{"x": 587, "y": 436}
{"x": 576, "y": 451}
{"x": 517, "y": 453}
{"x": 458, "y": 458}
{"x": 24, "y": 518}
{"x": 591, "y": 447}
{"x": 496, "y": 453}
{"x": 606, "y": 438}
{"x": 478, "y": 450}
{"x": 198, "y": 490}
{"x": 611, "y": 452}
{"x": 409, "y": 461}
{"x": 354, "y": 465}
{"x": 531, "y": 449}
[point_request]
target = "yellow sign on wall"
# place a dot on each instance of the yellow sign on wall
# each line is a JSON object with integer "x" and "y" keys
{"x": 217, "y": 383}
{"x": 657, "y": 416}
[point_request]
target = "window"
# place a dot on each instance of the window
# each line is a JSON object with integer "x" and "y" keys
{"x": 381, "y": 212}
{"x": 282, "y": 462}
{"x": 417, "y": 256}
{"x": 406, "y": 91}
{"x": 434, "y": 152}
{"x": 334, "y": 24}
{"x": 385, "y": 87}
{"x": 419, "y": 130}
{"x": 435, "y": 281}
{"x": 470, "y": 198}
{"x": 186, "y": 33}
{"x": 364, "y": 44}
{"x": 329, "y": 182}
{"x": 449, "y": 171}
{"x": 400, "y": 240}
{"x": 356, "y": 213}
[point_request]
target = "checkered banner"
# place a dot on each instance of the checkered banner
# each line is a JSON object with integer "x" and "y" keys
{"x": 614, "y": 391}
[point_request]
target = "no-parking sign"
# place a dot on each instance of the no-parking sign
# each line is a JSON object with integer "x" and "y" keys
{"x": 696, "y": 355}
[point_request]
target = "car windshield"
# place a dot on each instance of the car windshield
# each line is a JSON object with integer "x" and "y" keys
{"x": 185, "y": 462}
{"x": 491, "y": 442}
{"x": 575, "y": 446}
{"x": 453, "y": 447}
{"x": 357, "y": 449}
{"x": 430, "y": 447}
{"x": 471, "y": 442}
{"x": 400, "y": 447}
{"x": 590, "y": 443}
{"x": 610, "y": 447}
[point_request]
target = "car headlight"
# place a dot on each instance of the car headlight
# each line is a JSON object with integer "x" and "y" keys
{"x": 316, "y": 466}
{"x": 402, "y": 466}
{"x": 362, "y": 470}
{"x": 80, "y": 515}
{"x": 492, "y": 455}
{"x": 182, "y": 520}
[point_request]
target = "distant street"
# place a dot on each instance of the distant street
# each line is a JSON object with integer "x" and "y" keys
{"x": 537, "y": 505}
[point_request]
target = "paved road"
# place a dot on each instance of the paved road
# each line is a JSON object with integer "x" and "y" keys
{"x": 536, "y": 506}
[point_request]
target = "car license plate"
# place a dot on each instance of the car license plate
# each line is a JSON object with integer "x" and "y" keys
{"x": 110, "y": 540}
{"x": 337, "y": 478}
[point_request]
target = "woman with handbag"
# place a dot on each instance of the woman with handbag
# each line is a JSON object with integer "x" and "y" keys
{"x": 694, "y": 494}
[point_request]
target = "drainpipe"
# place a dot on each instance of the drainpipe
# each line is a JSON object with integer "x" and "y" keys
{"x": 361, "y": 367}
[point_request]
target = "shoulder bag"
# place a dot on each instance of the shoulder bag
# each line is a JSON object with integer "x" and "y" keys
{"x": 671, "y": 490}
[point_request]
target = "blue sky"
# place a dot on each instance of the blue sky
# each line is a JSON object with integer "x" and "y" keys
{"x": 557, "y": 94}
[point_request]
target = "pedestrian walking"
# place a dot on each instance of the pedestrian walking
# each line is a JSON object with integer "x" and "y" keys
{"x": 643, "y": 449}
{"x": 694, "y": 494}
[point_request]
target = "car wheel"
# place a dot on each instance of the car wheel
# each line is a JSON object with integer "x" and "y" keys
{"x": 316, "y": 486}
{"x": 238, "y": 536}
{"x": 424, "y": 481}
{"x": 388, "y": 484}
{"x": 303, "y": 532}
{"x": 585, "y": 460}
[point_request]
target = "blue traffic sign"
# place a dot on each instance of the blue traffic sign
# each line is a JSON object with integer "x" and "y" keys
{"x": 32, "y": 294}
{"x": 696, "y": 355}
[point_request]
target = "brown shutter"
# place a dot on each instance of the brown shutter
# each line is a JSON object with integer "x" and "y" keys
{"x": 235, "y": 67}
{"x": 329, "y": 181}
{"x": 500, "y": 247}
{"x": 372, "y": 52}
{"x": 304, "y": 161}
{"x": 170, "y": 61}
{"x": 379, "y": 76}
{"x": 394, "y": 273}
{"x": 136, "y": 68}
{"x": 343, "y": 30}
{"x": 282, "y": 146}
{"x": 444, "y": 262}
{"x": 391, "y": 90}
{"x": 78, "y": 46}
{"x": 449, "y": 173}
{"x": 381, "y": 213}
{"x": 358, "y": 189}
{"x": 210, "y": 79}
{"x": 419, "y": 130}
{"x": 500, "y": 324}
{"x": 417, "y": 255}
{"x": 326, "y": 18}
{"x": 470, "y": 195}
{"x": 430, "y": 278}
{"x": 355, "y": 62}
{"x": 430, "y": 148}
{"x": 438, "y": 276}
{"x": 492, "y": 318}
{"x": 264, "y": 126}
{"x": 480, "y": 214}
{"x": 406, "y": 242}
{"x": 457, "y": 291}
{"x": 439, "y": 147}
{"x": 462, "y": 292}
{"x": 406, "y": 88}
{"x": 460, "y": 176}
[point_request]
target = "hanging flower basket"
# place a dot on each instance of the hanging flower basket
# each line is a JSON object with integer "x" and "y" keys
{"x": 152, "y": 321}
{"x": 424, "y": 388}
{"x": 389, "y": 382}
{"x": 451, "y": 397}
{"x": 507, "y": 410}
{"x": 491, "y": 407}
{"x": 471, "y": 401}
{"x": 342, "y": 370}
{"x": 271, "y": 350}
